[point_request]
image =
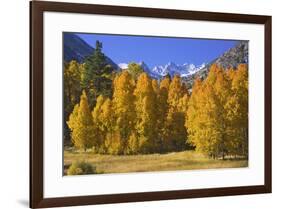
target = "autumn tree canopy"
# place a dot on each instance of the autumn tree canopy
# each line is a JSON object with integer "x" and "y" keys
{"x": 83, "y": 130}
{"x": 128, "y": 112}
{"x": 217, "y": 120}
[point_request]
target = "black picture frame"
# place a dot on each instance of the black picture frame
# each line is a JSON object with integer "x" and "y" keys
{"x": 37, "y": 8}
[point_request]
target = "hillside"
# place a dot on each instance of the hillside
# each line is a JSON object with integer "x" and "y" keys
{"x": 231, "y": 58}
{"x": 77, "y": 49}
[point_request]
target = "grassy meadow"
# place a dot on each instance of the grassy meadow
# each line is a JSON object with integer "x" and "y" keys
{"x": 185, "y": 160}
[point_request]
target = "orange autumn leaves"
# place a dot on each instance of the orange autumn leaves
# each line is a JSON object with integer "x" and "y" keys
{"x": 149, "y": 116}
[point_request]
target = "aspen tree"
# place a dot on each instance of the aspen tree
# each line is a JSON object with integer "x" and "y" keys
{"x": 81, "y": 125}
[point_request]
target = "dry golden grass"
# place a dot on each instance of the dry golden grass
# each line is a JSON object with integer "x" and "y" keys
{"x": 186, "y": 160}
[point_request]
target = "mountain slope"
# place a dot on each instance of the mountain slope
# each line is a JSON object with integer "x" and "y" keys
{"x": 77, "y": 49}
{"x": 231, "y": 58}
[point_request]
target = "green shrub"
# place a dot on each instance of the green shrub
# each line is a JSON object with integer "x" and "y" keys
{"x": 81, "y": 168}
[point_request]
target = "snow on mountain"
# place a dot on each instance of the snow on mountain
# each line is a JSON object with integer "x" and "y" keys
{"x": 192, "y": 69}
{"x": 170, "y": 68}
{"x": 123, "y": 65}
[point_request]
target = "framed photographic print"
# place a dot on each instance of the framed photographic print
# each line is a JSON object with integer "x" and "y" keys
{"x": 137, "y": 104}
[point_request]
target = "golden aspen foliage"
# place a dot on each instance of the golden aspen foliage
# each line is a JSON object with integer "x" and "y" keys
{"x": 202, "y": 116}
{"x": 146, "y": 117}
{"x": 239, "y": 114}
{"x": 162, "y": 111}
{"x": 81, "y": 125}
{"x": 133, "y": 144}
{"x": 191, "y": 117}
{"x": 97, "y": 110}
{"x": 223, "y": 93}
{"x": 72, "y": 90}
{"x": 135, "y": 70}
{"x": 115, "y": 144}
{"x": 165, "y": 83}
{"x": 107, "y": 116}
{"x": 155, "y": 86}
{"x": 163, "y": 105}
{"x": 210, "y": 132}
{"x": 150, "y": 116}
{"x": 176, "y": 137}
{"x": 183, "y": 103}
{"x": 124, "y": 107}
{"x": 176, "y": 92}
{"x": 99, "y": 123}
{"x": 215, "y": 113}
{"x": 108, "y": 122}
{"x": 231, "y": 73}
{"x": 158, "y": 125}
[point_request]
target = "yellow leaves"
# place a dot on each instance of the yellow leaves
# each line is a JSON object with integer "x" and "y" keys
{"x": 214, "y": 71}
{"x": 240, "y": 79}
{"x": 155, "y": 86}
{"x": 81, "y": 124}
{"x": 71, "y": 85}
{"x": 123, "y": 82}
{"x": 123, "y": 90}
{"x": 145, "y": 116}
{"x": 165, "y": 83}
{"x": 183, "y": 103}
{"x": 123, "y": 102}
{"x": 213, "y": 111}
{"x": 73, "y": 70}
{"x": 145, "y": 106}
{"x": 144, "y": 85}
{"x": 196, "y": 86}
{"x": 84, "y": 110}
{"x": 133, "y": 144}
{"x": 176, "y": 91}
{"x": 106, "y": 109}
{"x": 97, "y": 109}
{"x": 177, "y": 106}
{"x": 135, "y": 70}
{"x": 73, "y": 122}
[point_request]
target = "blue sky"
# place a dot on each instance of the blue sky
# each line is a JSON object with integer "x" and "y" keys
{"x": 159, "y": 50}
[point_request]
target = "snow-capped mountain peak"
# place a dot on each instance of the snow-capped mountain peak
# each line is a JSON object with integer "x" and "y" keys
{"x": 192, "y": 69}
{"x": 191, "y": 66}
{"x": 171, "y": 68}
